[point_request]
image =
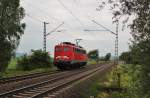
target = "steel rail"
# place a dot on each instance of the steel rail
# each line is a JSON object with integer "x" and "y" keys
{"x": 27, "y": 88}
{"x": 23, "y": 77}
{"x": 68, "y": 82}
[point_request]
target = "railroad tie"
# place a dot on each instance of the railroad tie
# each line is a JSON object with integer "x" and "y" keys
{"x": 37, "y": 91}
{"x": 50, "y": 96}
{"x": 55, "y": 94}
{"x": 29, "y": 92}
{"x": 60, "y": 95}
{"x": 24, "y": 94}
{"x": 17, "y": 96}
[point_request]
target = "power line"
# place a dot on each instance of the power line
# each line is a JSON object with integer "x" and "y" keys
{"x": 70, "y": 12}
{"x": 41, "y": 11}
{"x": 114, "y": 33}
{"x": 103, "y": 27}
{"x": 55, "y": 29}
{"x": 94, "y": 30}
{"x": 34, "y": 18}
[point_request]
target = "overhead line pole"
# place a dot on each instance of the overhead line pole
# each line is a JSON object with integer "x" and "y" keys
{"x": 44, "y": 36}
{"x": 116, "y": 37}
{"x": 116, "y": 42}
{"x": 55, "y": 29}
{"x": 114, "y": 33}
{"x": 116, "y": 47}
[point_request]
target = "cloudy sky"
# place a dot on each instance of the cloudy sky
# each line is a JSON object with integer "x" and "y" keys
{"x": 77, "y": 16}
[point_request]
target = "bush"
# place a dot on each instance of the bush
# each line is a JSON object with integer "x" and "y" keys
{"x": 38, "y": 59}
{"x": 5, "y": 55}
{"x": 23, "y": 63}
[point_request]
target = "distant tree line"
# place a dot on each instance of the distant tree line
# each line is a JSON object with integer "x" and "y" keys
{"x": 94, "y": 55}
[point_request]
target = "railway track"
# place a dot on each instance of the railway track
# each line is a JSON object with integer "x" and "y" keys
{"x": 23, "y": 77}
{"x": 22, "y": 81}
{"x": 54, "y": 84}
{"x": 16, "y": 84}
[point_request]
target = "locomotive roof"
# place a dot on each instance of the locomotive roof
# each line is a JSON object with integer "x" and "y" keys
{"x": 70, "y": 44}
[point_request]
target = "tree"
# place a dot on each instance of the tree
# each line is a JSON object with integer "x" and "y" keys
{"x": 140, "y": 30}
{"x": 94, "y": 54}
{"x": 11, "y": 29}
{"x": 126, "y": 56}
{"x": 107, "y": 57}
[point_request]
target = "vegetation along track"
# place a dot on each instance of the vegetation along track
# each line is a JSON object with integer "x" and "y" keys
{"x": 52, "y": 85}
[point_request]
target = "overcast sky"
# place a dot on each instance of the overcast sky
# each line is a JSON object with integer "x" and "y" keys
{"x": 78, "y": 18}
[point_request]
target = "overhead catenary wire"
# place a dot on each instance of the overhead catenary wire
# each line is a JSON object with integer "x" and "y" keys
{"x": 114, "y": 33}
{"x": 34, "y": 18}
{"x": 42, "y": 11}
{"x": 55, "y": 29}
{"x": 47, "y": 15}
{"x": 103, "y": 27}
{"x": 77, "y": 19}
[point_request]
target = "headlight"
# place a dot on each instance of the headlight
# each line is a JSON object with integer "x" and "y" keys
{"x": 65, "y": 57}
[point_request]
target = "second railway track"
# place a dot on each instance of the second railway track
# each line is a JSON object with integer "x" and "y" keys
{"x": 23, "y": 77}
{"x": 41, "y": 89}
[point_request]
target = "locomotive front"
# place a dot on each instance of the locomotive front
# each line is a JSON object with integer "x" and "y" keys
{"x": 69, "y": 56}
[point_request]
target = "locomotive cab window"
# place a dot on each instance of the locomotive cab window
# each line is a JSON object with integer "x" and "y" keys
{"x": 84, "y": 52}
{"x": 58, "y": 49}
{"x": 80, "y": 51}
{"x": 66, "y": 49}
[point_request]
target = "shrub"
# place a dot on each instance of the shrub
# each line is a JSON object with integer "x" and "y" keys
{"x": 38, "y": 59}
{"x": 23, "y": 63}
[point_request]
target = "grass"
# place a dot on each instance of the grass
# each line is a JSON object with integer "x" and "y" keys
{"x": 128, "y": 81}
{"x": 91, "y": 90}
{"x": 12, "y": 71}
{"x": 91, "y": 62}
{"x": 12, "y": 64}
{"x": 109, "y": 80}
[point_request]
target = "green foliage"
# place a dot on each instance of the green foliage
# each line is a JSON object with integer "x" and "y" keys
{"x": 38, "y": 59}
{"x": 129, "y": 82}
{"x": 11, "y": 29}
{"x": 107, "y": 57}
{"x": 94, "y": 54}
{"x": 92, "y": 62}
{"x": 15, "y": 72}
{"x": 12, "y": 64}
{"x": 92, "y": 90}
{"x": 23, "y": 63}
{"x": 126, "y": 56}
{"x": 140, "y": 30}
{"x": 142, "y": 55}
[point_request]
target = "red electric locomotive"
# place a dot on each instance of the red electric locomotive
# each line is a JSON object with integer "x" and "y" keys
{"x": 69, "y": 56}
